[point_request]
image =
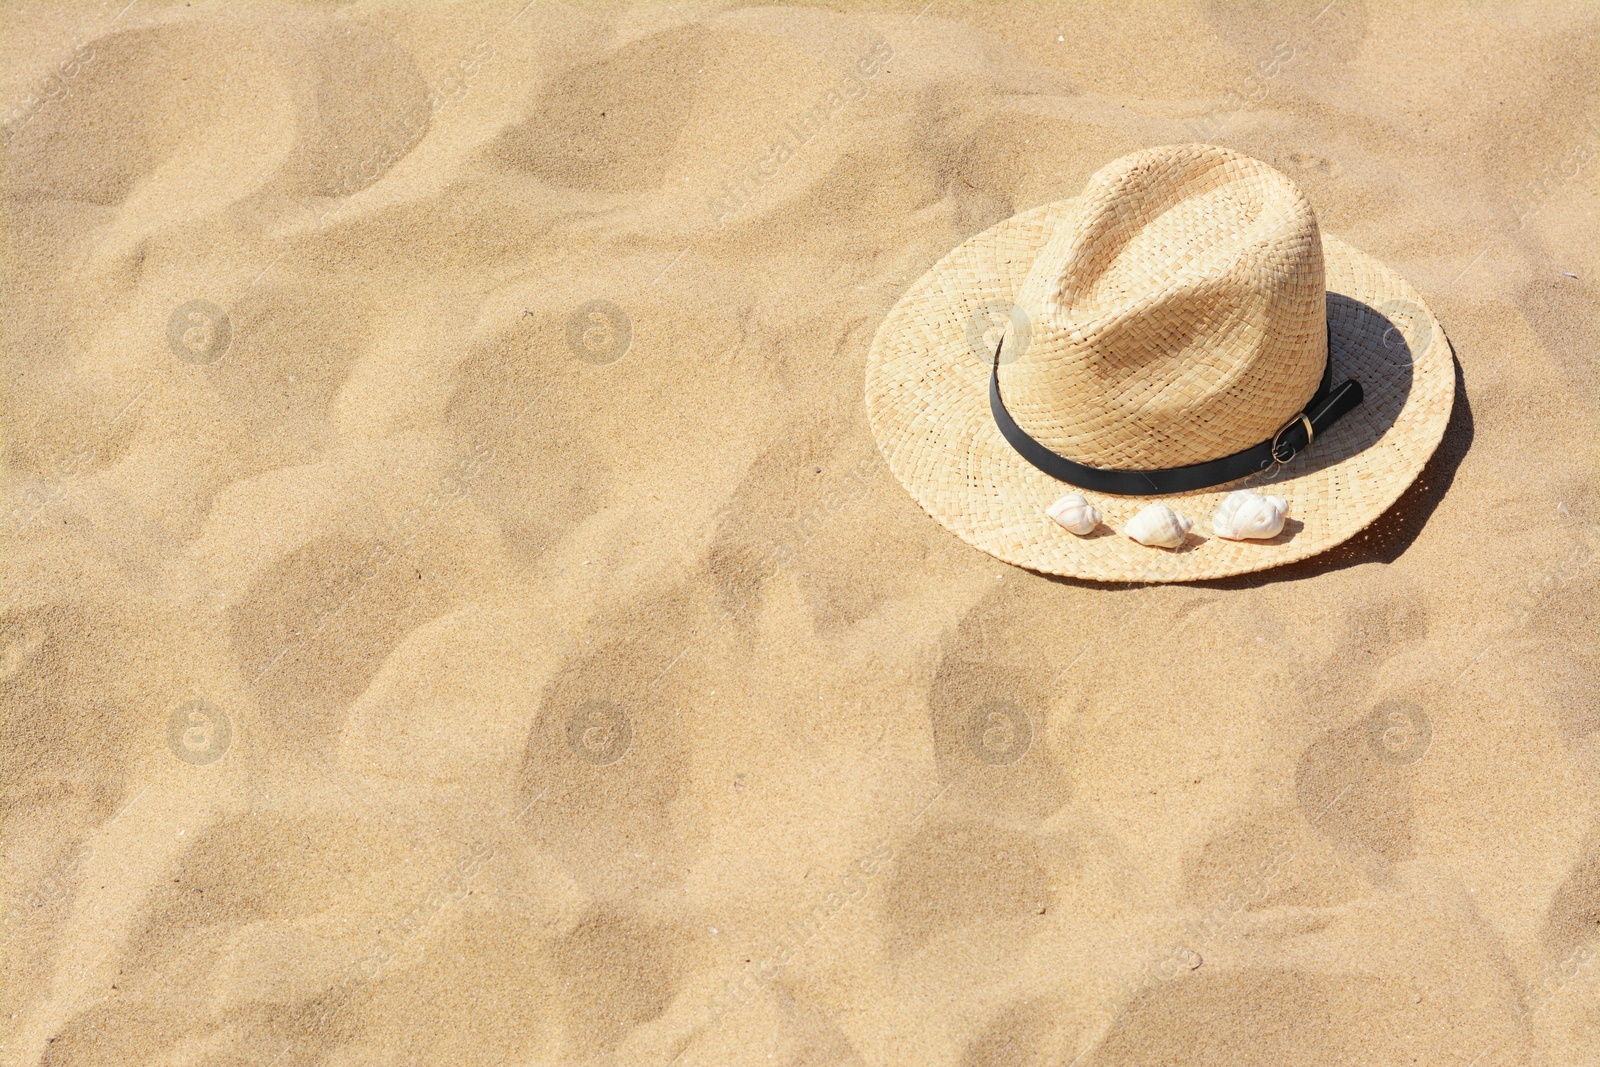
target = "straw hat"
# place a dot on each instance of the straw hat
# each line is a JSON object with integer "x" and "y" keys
{"x": 1183, "y": 320}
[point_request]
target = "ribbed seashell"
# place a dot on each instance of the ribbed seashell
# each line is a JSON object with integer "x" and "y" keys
{"x": 1074, "y": 513}
{"x": 1249, "y": 515}
{"x": 1159, "y": 526}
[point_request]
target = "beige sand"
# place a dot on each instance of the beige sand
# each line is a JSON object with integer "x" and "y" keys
{"x": 399, "y": 670}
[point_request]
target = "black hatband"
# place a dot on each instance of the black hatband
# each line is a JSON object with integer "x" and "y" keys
{"x": 1325, "y": 407}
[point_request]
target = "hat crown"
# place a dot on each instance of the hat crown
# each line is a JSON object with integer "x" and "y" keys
{"x": 1181, "y": 318}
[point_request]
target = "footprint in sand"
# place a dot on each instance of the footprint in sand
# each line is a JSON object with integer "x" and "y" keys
{"x": 611, "y": 126}
{"x": 993, "y": 882}
{"x": 1267, "y": 1017}
{"x": 988, "y": 707}
{"x": 1029, "y": 1033}
{"x": 616, "y": 971}
{"x": 245, "y": 872}
{"x": 516, "y": 395}
{"x": 607, "y": 754}
{"x": 290, "y": 350}
{"x": 1354, "y": 787}
{"x": 317, "y": 625}
{"x": 1573, "y": 921}
{"x": 327, "y": 106}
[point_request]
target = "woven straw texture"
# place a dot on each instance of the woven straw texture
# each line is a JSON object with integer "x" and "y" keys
{"x": 927, "y": 399}
{"x": 1186, "y": 301}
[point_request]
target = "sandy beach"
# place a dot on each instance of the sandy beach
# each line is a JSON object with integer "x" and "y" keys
{"x": 455, "y": 611}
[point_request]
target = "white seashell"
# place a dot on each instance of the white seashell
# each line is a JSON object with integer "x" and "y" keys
{"x": 1159, "y": 526}
{"x": 1074, "y": 513}
{"x": 1245, "y": 514}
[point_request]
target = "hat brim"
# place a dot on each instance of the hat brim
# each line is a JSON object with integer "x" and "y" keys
{"x": 928, "y": 402}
